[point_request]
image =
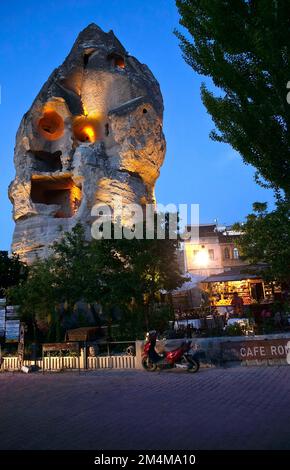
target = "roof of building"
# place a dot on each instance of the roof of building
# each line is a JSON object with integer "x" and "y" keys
{"x": 205, "y": 230}
{"x": 224, "y": 234}
{"x": 225, "y": 277}
{"x": 238, "y": 273}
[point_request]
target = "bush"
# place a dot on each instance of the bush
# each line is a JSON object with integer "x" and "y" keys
{"x": 234, "y": 330}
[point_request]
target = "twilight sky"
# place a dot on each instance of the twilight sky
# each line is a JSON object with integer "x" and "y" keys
{"x": 35, "y": 37}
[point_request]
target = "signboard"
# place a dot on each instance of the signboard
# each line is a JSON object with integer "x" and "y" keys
{"x": 2, "y": 321}
{"x": 12, "y": 311}
{"x": 2, "y": 303}
{"x": 12, "y": 331}
{"x": 256, "y": 350}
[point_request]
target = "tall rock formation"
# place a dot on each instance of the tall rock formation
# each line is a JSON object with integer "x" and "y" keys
{"x": 93, "y": 134}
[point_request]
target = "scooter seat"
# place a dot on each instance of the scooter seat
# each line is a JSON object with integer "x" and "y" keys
{"x": 172, "y": 345}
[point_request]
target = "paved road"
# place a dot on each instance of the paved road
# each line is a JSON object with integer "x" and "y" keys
{"x": 237, "y": 408}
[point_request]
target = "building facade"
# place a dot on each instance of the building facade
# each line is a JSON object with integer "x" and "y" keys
{"x": 214, "y": 252}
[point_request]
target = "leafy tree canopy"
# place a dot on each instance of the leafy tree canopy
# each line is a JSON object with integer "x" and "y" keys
{"x": 266, "y": 238}
{"x": 243, "y": 46}
{"x": 12, "y": 271}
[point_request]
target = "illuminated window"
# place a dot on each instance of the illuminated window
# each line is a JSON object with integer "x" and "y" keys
{"x": 60, "y": 191}
{"x": 226, "y": 253}
{"x": 86, "y": 129}
{"x": 117, "y": 60}
{"x": 236, "y": 253}
{"x": 51, "y": 125}
{"x": 211, "y": 254}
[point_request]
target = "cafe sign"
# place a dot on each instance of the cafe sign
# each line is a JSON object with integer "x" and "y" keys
{"x": 256, "y": 349}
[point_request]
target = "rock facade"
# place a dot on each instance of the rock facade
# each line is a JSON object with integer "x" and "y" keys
{"x": 92, "y": 135}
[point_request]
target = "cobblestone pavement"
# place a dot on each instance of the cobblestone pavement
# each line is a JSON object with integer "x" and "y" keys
{"x": 236, "y": 408}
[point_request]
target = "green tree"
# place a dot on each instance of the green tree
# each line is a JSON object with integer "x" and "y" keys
{"x": 12, "y": 271}
{"x": 266, "y": 238}
{"x": 119, "y": 274}
{"x": 153, "y": 268}
{"x": 56, "y": 284}
{"x": 243, "y": 46}
{"x": 37, "y": 298}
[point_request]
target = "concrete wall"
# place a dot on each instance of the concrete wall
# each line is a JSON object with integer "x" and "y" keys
{"x": 212, "y": 349}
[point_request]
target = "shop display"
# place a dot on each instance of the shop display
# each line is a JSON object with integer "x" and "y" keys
{"x": 221, "y": 293}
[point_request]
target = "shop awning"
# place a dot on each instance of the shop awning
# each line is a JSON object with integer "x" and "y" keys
{"x": 228, "y": 276}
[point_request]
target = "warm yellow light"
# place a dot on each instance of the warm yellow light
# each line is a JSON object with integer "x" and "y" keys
{"x": 85, "y": 111}
{"x": 86, "y": 129}
{"x": 90, "y": 133}
{"x": 201, "y": 258}
{"x": 75, "y": 198}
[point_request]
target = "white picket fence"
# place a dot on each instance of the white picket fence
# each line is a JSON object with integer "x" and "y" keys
{"x": 73, "y": 362}
{"x": 111, "y": 362}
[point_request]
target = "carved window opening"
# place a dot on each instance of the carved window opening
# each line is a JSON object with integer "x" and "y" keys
{"x": 51, "y": 125}
{"x": 86, "y": 56}
{"x": 117, "y": 60}
{"x": 47, "y": 161}
{"x": 107, "y": 130}
{"x": 61, "y": 191}
{"x": 86, "y": 129}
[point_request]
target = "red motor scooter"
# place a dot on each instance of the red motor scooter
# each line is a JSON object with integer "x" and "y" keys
{"x": 182, "y": 357}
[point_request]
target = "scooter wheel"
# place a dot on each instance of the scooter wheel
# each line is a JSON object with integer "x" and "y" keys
{"x": 148, "y": 365}
{"x": 193, "y": 366}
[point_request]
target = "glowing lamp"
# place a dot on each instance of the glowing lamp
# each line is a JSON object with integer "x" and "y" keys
{"x": 201, "y": 258}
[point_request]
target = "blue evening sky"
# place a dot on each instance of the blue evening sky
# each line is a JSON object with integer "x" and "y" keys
{"x": 35, "y": 37}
